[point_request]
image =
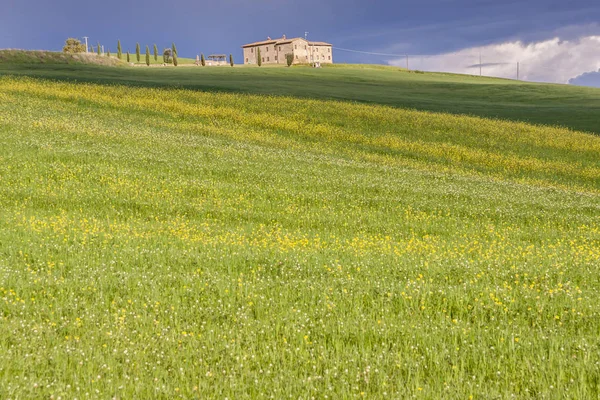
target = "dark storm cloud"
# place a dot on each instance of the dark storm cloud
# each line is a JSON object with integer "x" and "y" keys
{"x": 385, "y": 26}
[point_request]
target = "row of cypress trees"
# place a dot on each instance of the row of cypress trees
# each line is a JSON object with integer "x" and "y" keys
{"x": 138, "y": 54}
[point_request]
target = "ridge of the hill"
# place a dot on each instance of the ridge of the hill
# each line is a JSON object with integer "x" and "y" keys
{"x": 567, "y": 106}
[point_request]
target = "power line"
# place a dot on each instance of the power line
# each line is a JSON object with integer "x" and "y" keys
{"x": 371, "y": 53}
{"x": 395, "y": 55}
{"x": 521, "y": 66}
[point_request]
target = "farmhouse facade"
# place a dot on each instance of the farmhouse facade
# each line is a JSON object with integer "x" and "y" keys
{"x": 274, "y": 51}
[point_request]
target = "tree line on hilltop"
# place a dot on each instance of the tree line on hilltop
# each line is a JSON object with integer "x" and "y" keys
{"x": 169, "y": 55}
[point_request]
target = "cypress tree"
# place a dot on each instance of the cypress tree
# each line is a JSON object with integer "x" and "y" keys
{"x": 202, "y": 60}
{"x": 128, "y": 56}
{"x": 137, "y": 51}
{"x": 174, "y": 48}
{"x": 155, "y": 53}
{"x": 259, "y": 60}
{"x": 231, "y": 60}
{"x": 175, "y": 60}
{"x": 147, "y": 56}
{"x": 119, "y": 50}
{"x": 98, "y": 48}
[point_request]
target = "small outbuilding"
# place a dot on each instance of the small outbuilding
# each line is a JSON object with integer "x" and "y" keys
{"x": 217, "y": 59}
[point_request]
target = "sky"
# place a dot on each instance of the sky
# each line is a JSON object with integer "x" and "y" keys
{"x": 553, "y": 41}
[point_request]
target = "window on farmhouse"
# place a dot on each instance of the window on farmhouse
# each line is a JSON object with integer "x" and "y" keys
{"x": 296, "y": 57}
{"x": 296, "y": 46}
{"x": 267, "y": 49}
{"x": 329, "y": 58}
{"x": 275, "y": 58}
{"x": 246, "y": 60}
{"x": 263, "y": 59}
{"x": 329, "y": 50}
{"x": 268, "y": 59}
{"x": 252, "y": 50}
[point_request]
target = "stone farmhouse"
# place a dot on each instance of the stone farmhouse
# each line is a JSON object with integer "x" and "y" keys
{"x": 273, "y": 51}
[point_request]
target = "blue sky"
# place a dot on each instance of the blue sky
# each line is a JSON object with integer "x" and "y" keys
{"x": 418, "y": 27}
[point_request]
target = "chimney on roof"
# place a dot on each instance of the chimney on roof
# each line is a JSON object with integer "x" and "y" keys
{"x": 283, "y": 37}
{"x": 268, "y": 37}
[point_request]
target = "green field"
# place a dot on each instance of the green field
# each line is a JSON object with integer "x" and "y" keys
{"x": 160, "y": 242}
{"x": 569, "y": 106}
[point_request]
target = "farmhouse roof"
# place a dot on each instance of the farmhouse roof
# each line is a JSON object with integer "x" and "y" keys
{"x": 260, "y": 43}
{"x": 284, "y": 40}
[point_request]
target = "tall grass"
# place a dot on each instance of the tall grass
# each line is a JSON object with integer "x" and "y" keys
{"x": 32, "y": 57}
{"x": 168, "y": 243}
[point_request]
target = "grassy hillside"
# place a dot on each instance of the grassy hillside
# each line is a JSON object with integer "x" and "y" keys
{"x": 568, "y": 106}
{"x": 45, "y": 58}
{"x": 164, "y": 243}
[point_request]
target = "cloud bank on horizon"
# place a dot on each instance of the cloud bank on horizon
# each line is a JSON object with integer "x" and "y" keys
{"x": 575, "y": 61}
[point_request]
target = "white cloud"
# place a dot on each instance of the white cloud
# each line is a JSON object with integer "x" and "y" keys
{"x": 553, "y": 60}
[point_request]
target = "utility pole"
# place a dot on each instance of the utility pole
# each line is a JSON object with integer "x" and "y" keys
{"x": 311, "y": 49}
{"x": 86, "y": 44}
